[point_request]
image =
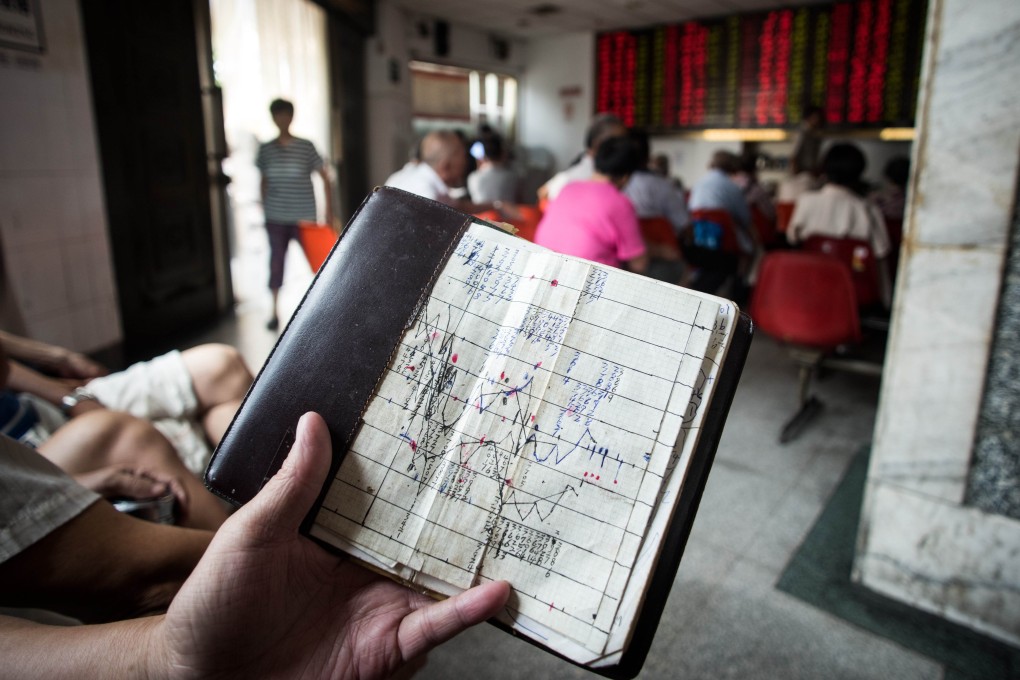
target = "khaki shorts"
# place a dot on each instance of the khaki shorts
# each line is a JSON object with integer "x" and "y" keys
{"x": 160, "y": 391}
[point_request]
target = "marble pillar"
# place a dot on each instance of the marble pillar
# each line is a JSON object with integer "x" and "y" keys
{"x": 920, "y": 541}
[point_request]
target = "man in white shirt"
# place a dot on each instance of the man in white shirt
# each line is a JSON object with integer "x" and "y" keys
{"x": 602, "y": 127}
{"x": 442, "y": 166}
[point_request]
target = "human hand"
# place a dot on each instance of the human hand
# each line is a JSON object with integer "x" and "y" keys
{"x": 76, "y": 365}
{"x": 117, "y": 481}
{"x": 265, "y": 601}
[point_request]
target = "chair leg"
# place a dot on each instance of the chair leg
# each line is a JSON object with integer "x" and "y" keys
{"x": 807, "y": 412}
{"x": 810, "y": 406}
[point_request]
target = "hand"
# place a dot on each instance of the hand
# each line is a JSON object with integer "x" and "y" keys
{"x": 75, "y": 365}
{"x": 117, "y": 481}
{"x": 265, "y": 601}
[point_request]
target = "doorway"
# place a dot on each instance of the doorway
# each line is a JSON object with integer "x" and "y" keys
{"x": 262, "y": 51}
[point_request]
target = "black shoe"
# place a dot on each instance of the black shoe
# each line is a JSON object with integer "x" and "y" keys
{"x": 273, "y": 324}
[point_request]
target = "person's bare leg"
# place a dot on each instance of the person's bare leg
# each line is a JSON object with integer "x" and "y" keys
{"x": 103, "y": 566}
{"x": 102, "y": 438}
{"x": 220, "y": 379}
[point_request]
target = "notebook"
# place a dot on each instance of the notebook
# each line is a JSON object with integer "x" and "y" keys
{"x": 499, "y": 411}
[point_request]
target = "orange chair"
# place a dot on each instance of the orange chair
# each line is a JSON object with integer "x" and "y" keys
{"x": 526, "y": 224}
{"x": 316, "y": 240}
{"x": 807, "y": 300}
{"x": 859, "y": 260}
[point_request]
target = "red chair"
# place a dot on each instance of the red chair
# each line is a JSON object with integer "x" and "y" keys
{"x": 723, "y": 236}
{"x": 784, "y": 212}
{"x": 658, "y": 230}
{"x": 807, "y": 300}
{"x": 859, "y": 260}
{"x": 764, "y": 227}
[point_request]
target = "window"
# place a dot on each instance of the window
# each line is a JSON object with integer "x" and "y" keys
{"x": 446, "y": 96}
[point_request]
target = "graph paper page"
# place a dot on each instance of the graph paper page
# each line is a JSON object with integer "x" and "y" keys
{"x": 523, "y": 431}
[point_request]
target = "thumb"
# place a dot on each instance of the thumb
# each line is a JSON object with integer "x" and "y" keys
{"x": 285, "y": 501}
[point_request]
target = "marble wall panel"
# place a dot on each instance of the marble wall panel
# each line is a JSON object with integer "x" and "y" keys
{"x": 960, "y": 563}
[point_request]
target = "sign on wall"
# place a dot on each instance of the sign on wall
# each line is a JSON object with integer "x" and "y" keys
{"x": 21, "y": 25}
{"x": 860, "y": 61}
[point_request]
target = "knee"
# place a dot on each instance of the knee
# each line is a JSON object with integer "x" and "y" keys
{"x": 142, "y": 437}
{"x": 229, "y": 366}
{"x": 219, "y": 369}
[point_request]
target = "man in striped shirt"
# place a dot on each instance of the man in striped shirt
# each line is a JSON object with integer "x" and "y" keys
{"x": 287, "y": 164}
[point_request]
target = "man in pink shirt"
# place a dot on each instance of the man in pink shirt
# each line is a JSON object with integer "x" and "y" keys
{"x": 593, "y": 219}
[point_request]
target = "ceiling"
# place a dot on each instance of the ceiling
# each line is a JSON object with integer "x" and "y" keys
{"x": 526, "y": 18}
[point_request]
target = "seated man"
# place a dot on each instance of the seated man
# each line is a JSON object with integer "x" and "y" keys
{"x": 263, "y": 601}
{"x": 443, "y": 164}
{"x": 62, "y": 551}
{"x": 114, "y": 454}
{"x": 190, "y": 396}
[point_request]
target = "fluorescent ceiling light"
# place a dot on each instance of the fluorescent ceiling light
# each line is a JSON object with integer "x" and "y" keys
{"x": 897, "y": 134}
{"x": 750, "y": 135}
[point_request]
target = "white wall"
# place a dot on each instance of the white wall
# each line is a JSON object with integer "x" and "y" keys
{"x": 549, "y": 119}
{"x": 52, "y": 218}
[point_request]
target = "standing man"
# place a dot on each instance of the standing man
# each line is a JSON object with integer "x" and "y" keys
{"x": 287, "y": 164}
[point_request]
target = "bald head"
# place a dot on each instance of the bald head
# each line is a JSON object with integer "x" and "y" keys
{"x": 444, "y": 152}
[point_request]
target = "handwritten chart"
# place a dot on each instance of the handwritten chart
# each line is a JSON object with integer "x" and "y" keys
{"x": 524, "y": 430}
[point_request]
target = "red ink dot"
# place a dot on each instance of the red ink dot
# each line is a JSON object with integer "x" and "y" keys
{"x": 554, "y": 283}
{"x": 502, "y": 375}
{"x": 532, "y": 417}
{"x": 454, "y": 358}
{"x": 597, "y": 478}
{"x": 585, "y": 474}
{"x": 410, "y": 368}
{"x": 551, "y": 606}
{"x": 435, "y": 334}
{"x": 616, "y": 481}
{"x": 509, "y": 482}
{"x": 414, "y": 445}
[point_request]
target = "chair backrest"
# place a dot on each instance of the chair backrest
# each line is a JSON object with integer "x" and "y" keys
{"x": 764, "y": 226}
{"x": 784, "y": 211}
{"x": 806, "y": 299}
{"x": 859, "y": 259}
{"x": 526, "y": 224}
{"x": 713, "y": 230}
{"x": 658, "y": 230}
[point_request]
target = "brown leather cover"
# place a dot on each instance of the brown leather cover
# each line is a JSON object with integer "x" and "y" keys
{"x": 340, "y": 339}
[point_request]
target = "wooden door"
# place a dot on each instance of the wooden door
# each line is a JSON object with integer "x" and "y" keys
{"x": 143, "y": 59}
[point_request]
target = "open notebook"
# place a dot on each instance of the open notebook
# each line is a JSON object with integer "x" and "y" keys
{"x": 500, "y": 411}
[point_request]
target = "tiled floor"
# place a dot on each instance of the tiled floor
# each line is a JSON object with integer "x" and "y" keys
{"x": 724, "y": 617}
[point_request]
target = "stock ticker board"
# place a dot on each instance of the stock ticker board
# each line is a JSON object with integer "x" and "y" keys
{"x": 859, "y": 61}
